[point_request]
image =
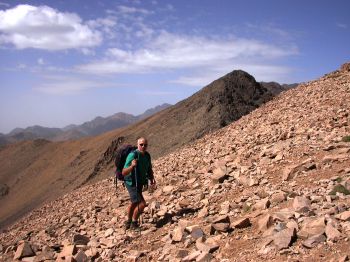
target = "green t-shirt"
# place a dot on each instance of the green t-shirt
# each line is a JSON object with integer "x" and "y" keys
{"x": 143, "y": 167}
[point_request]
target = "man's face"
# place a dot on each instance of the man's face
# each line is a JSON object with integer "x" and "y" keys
{"x": 142, "y": 145}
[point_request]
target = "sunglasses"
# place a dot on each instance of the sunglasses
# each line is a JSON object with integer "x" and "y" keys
{"x": 143, "y": 145}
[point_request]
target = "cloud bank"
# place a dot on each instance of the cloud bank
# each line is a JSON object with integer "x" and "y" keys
{"x": 43, "y": 27}
{"x": 173, "y": 52}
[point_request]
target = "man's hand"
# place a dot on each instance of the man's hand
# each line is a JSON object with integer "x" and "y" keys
{"x": 134, "y": 163}
{"x": 153, "y": 186}
{"x": 126, "y": 171}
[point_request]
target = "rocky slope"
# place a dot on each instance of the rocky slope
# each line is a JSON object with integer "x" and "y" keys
{"x": 59, "y": 167}
{"x": 272, "y": 186}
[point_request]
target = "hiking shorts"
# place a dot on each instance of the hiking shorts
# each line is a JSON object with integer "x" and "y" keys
{"x": 135, "y": 194}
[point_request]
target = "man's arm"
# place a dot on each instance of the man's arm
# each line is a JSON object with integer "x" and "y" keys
{"x": 126, "y": 171}
{"x": 150, "y": 174}
{"x": 130, "y": 163}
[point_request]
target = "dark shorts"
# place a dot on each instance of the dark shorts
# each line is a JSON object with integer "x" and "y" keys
{"x": 135, "y": 194}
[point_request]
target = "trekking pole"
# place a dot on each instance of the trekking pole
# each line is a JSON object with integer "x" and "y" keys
{"x": 138, "y": 197}
{"x": 115, "y": 182}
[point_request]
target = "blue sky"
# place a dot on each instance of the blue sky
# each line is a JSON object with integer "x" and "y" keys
{"x": 66, "y": 62}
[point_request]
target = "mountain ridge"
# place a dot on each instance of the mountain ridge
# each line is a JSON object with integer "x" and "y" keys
{"x": 259, "y": 189}
{"x": 94, "y": 127}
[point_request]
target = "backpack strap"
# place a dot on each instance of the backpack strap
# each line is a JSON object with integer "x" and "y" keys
{"x": 135, "y": 171}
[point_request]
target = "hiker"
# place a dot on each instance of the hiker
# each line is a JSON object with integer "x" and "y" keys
{"x": 137, "y": 170}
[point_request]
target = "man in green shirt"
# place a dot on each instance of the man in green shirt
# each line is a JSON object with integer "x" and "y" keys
{"x": 137, "y": 171}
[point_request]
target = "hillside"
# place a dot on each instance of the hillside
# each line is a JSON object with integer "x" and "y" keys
{"x": 271, "y": 186}
{"x": 59, "y": 167}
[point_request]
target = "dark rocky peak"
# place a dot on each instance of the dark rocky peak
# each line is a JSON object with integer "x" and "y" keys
{"x": 232, "y": 96}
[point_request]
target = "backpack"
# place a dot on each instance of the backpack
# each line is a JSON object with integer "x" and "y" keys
{"x": 121, "y": 155}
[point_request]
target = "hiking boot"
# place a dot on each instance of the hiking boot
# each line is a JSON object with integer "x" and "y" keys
{"x": 127, "y": 224}
{"x": 134, "y": 225}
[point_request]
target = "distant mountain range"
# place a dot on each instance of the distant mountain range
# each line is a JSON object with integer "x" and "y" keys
{"x": 94, "y": 127}
{"x": 100, "y": 125}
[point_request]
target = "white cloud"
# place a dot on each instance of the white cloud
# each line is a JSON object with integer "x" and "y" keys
{"x": 63, "y": 85}
{"x": 43, "y": 27}
{"x": 268, "y": 29}
{"x": 261, "y": 72}
{"x": 170, "y": 51}
{"x": 126, "y": 10}
{"x": 342, "y": 25}
{"x": 105, "y": 23}
{"x": 41, "y": 61}
{"x": 196, "y": 79}
{"x": 170, "y": 7}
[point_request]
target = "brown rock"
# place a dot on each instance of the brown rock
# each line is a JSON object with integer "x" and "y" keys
{"x": 241, "y": 223}
{"x": 262, "y": 204}
{"x": 332, "y": 233}
{"x": 278, "y": 197}
{"x": 181, "y": 253}
{"x": 203, "y": 212}
{"x": 192, "y": 256}
{"x": 92, "y": 253}
{"x": 109, "y": 232}
{"x": 247, "y": 181}
{"x": 314, "y": 240}
{"x": 311, "y": 227}
{"x": 334, "y": 158}
{"x": 219, "y": 175}
{"x": 68, "y": 251}
{"x": 178, "y": 234}
{"x": 343, "y": 258}
{"x": 309, "y": 164}
{"x": 80, "y": 239}
{"x": 220, "y": 227}
{"x": 204, "y": 257}
{"x": 265, "y": 222}
{"x": 284, "y": 238}
{"x": 168, "y": 189}
{"x": 184, "y": 203}
{"x": 292, "y": 224}
{"x": 45, "y": 255}
{"x": 206, "y": 247}
{"x": 221, "y": 219}
{"x": 24, "y": 250}
{"x": 197, "y": 233}
{"x": 301, "y": 204}
{"x": 283, "y": 214}
{"x": 289, "y": 172}
{"x": 344, "y": 216}
{"x": 81, "y": 256}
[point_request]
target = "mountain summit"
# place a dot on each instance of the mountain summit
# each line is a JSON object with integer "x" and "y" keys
{"x": 227, "y": 99}
{"x": 216, "y": 105}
